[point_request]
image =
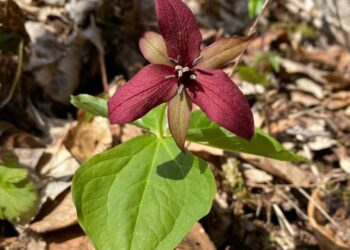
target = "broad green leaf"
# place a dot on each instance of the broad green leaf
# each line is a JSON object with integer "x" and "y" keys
{"x": 206, "y": 132}
{"x": 154, "y": 121}
{"x": 143, "y": 194}
{"x": 94, "y": 105}
{"x": 18, "y": 196}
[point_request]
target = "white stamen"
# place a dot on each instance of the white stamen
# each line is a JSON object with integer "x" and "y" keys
{"x": 178, "y": 67}
{"x": 193, "y": 77}
{"x": 186, "y": 69}
{"x": 197, "y": 60}
{"x": 173, "y": 60}
{"x": 169, "y": 77}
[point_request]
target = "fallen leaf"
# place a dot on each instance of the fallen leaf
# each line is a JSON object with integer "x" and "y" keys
{"x": 283, "y": 170}
{"x": 61, "y": 164}
{"x": 196, "y": 239}
{"x": 89, "y": 138}
{"x": 62, "y": 216}
{"x": 310, "y": 87}
{"x": 72, "y": 238}
{"x": 304, "y": 99}
{"x": 254, "y": 175}
{"x": 344, "y": 158}
{"x": 321, "y": 142}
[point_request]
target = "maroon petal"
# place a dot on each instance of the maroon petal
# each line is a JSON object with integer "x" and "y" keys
{"x": 178, "y": 26}
{"x": 146, "y": 90}
{"x": 222, "y": 101}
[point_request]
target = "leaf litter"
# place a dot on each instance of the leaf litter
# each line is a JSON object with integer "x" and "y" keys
{"x": 260, "y": 203}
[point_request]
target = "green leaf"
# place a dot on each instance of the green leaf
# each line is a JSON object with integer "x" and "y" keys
{"x": 18, "y": 196}
{"x": 250, "y": 74}
{"x": 154, "y": 121}
{"x": 94, "y": 105}
{"x": 143, "y": 194}
{"x": 255, "y": 7}
{"x": 206, "y": 132}
{"x": 272, "y": 57}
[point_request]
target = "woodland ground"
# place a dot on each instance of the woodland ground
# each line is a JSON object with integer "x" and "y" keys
{"x": 295, "y": 74}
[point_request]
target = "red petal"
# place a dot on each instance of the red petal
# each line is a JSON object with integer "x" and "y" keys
{"x": 178, "y": 26}
{"x": 222, "y": 101}
{"x": 143, "y": 92}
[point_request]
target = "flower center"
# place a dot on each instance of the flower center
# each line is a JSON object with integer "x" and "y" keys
{"x": 183, "y": 73}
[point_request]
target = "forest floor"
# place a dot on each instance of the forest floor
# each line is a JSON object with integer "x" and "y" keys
{"x": 295, "y": 74}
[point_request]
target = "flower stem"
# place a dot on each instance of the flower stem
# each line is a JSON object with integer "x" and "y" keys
{"x": 161, "y": 132}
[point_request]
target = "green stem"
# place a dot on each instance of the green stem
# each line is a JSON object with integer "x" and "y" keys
{"x": 161, "y": 132}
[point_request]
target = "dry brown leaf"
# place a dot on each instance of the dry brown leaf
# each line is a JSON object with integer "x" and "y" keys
{"x": 293, "y": 67}
{"x": 325, "y": 235}
{"x": 78, "y": 243}
{"x": 197, "y": 148}
{"x": 196, "y": 239}
{"x": 311, "y": 87}
{"x": 339, "y": 100}
{"x": 266, "y": 39}
{"x": 321, "y": 142}
{"x": 283, "y": 170}
{"x": 72, "y": 238}
{"x": 129, "y": 132}
{"x": 62, "y": 216}
{"x": 253, "y": 175}
{"x": 16, "y": 138}
{"x": 304, "y": 99}
{"x": 89, "y": 138}
{"x": 344, "y": 158}
{"x": 25, "y": 242}
{"x": 61, "y": 164}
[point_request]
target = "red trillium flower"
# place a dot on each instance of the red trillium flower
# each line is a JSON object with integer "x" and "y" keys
{"x": 180, "y": 73}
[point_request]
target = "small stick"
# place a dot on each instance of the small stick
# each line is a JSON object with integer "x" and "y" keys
{"x": 103, "y": 71}
{"x": 251, "y": 31}
{"x": 283, "y": 220}
{"x": 18, "y": 73}
{"x": 294, "y": 205}
{"x": 322, "y": 211}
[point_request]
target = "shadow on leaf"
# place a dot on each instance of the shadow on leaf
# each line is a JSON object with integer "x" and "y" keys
{"x": 178, "y": 168}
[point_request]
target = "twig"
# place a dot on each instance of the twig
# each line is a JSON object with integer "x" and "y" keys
{"x": 103, "y": 72}
{"x": 251, "y": 31}
{"x": 283, "y": 220}
{"x": 17, "y": 74}
{"x": 322, "y": 211}
{"x": 294, "y": 205}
